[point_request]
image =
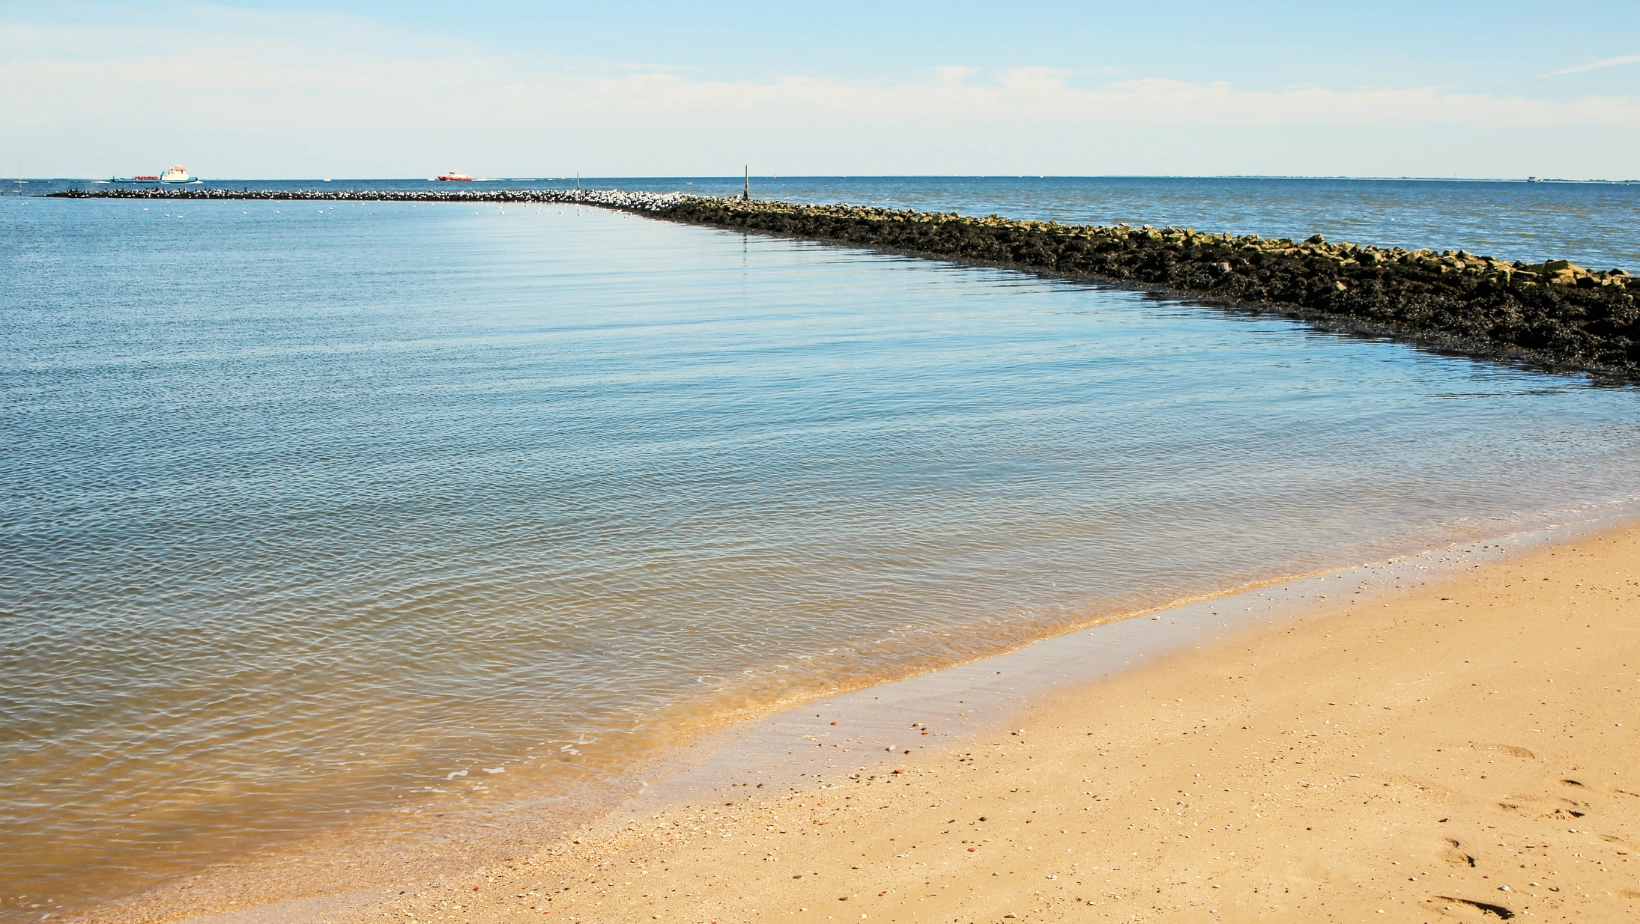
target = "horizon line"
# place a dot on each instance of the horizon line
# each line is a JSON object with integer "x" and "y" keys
{"x": 901, "y": 176}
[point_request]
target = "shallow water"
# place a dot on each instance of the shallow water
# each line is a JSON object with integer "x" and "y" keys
{"x": 315, "y": 511}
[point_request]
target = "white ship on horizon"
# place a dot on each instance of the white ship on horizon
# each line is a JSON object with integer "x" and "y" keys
{"x": 177, "y": 174}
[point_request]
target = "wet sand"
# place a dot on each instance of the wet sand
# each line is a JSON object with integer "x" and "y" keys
{"x": 1464, "y": 749}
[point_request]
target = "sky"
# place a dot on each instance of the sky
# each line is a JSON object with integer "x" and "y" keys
{"x": 299, "y": 89}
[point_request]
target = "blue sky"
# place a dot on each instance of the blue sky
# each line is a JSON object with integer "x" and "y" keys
{"x": 306, "y": 89}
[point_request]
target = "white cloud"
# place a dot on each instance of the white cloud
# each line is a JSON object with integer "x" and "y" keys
{"x": 1609, "y": 62}
{"x": 283, "y": 87}
{"x": 297, "y": 97}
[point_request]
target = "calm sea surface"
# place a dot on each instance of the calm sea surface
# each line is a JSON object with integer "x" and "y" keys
{"x": 309, "y": 513}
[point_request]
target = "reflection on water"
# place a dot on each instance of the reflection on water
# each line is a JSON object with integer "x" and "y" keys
{"x": 316, "y": 511}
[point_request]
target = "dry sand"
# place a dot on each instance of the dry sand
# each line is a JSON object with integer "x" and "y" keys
{"x": 1466, "y": 750}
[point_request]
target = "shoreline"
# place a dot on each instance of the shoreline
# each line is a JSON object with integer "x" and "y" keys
{"x": 966, "y": 700}
{"x": 1382, "y": 753}
{"x": 1554, "y": 314}
{"x": 956, "y": 706}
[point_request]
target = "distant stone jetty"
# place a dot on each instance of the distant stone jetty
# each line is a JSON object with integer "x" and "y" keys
{"x": 1554, "y": 312}
{"x": 604, "y": 198}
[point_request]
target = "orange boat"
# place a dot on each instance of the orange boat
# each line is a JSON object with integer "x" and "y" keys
{"x": 455, "y": 176}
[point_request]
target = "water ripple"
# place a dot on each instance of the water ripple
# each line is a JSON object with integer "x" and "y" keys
{"x": 303, "y": 520}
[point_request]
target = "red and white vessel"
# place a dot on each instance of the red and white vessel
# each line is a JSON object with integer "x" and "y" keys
{"x": 455, "y": 176}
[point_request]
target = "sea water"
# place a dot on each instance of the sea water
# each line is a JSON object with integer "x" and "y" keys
{"x": 321, "y": 515}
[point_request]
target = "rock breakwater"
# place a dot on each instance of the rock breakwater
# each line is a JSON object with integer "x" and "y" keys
{"x": 1554, "y": 312}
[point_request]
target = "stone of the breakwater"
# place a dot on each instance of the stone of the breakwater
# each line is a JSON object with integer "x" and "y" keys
{"x": 1554, "y": 312}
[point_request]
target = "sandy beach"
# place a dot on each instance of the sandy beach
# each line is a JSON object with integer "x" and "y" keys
{"x": 1463, "y": 750}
